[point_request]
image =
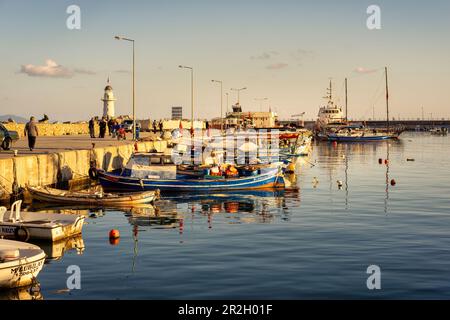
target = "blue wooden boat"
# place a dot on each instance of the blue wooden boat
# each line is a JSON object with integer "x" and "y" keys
{"x": 143, "y": 172}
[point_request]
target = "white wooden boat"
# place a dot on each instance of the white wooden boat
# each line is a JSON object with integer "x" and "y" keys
{"x": 50, "y": 195}
{"x": 38, "y": 226}
{"x": 20, "y": 263}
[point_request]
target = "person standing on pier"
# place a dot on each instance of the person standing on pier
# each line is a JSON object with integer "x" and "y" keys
{"x": 102, "y": 125}
{"x": 92, "y": 128}
{"x": 31, "y": 131}
{"x": 160, "y": 124}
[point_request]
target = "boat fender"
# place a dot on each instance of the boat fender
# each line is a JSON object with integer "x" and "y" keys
{"x": 22, "y": 234}
{"x": 93, "y": 174}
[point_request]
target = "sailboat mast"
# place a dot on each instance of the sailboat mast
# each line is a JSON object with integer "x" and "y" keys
{"x": 387, "y": 99}
{"x": 346, "y": 102}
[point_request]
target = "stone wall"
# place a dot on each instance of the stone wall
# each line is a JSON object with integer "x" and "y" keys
{"x": 65, "y": 166}
{"x": 57, "y": 129}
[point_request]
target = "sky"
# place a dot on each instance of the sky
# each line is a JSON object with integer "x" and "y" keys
{"x": 285, "y": 51}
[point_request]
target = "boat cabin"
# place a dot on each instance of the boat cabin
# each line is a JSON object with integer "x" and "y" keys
{"x": 150, "y": 165}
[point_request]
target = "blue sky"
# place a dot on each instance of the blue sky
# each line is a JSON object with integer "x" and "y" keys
{"x": 283, "y": 50}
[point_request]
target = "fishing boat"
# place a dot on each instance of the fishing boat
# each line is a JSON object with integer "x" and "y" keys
{"x": 352, "y": 133}
{"x": 20, "y": 263}
{"x": 330, "y": 116}
{"x": 21, "y": 225}
{"x": 50, "y": 195}
{"x": 149, "y": 171}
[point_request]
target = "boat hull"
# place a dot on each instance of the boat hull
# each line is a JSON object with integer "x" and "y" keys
{"x": 24, "y": 270}
{"x": 272, "y": 179}
{"x": 43, "y": 226}
{"x": 78, "y": 198}
{"x": 360, "y": 139}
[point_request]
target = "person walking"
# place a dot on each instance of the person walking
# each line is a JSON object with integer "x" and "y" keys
{"x": 31, "y": 131}
{"x": 92, "y": 128}
{"x": 154, "y": 126}
{"x": 160, "y": 124}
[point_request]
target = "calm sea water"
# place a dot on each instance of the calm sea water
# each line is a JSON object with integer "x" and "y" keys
{"x": 314, "y": 242}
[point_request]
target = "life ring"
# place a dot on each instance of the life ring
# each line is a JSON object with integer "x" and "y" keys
{"x": 22, "y": 234}
{"x": 93, "y": 174}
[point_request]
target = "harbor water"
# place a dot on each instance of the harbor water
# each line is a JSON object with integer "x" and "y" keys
{"x": 316, "y": 241}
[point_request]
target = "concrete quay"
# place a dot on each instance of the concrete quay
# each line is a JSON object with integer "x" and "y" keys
{"x": 63, "y": 159}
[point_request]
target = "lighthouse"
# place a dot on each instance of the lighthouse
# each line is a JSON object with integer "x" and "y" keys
{"x": 108, "y": 102}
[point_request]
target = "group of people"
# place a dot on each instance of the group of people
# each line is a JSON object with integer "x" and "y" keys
{"x": 113, "y": 126}
{"x": 157, "y": 125}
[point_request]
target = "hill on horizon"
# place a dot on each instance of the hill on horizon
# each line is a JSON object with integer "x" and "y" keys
{"x": 17, "y": 119}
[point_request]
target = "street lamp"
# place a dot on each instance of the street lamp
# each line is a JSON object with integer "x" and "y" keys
{"x": 261, "y": 101}
{"x": 192, "y": 95}
{"x": 239, "y": 92}
{"x": 134, "y": 110}
{"x": 221, "y": 102}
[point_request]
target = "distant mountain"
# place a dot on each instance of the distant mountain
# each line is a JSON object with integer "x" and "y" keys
{"x": 15, "y": 118}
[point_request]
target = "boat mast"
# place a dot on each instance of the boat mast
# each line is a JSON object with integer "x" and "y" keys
{"x": 346, "y": 102}
{"x": 387, "y": 99}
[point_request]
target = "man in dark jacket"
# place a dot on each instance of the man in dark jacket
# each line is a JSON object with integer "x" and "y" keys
{"x": 92, "y": 128}
{"x": 102, "y": 126}
{"x": 31, "y": 131}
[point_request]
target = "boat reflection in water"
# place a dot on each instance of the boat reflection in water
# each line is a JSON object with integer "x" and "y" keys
{"x": 55, "y": 250}
{"x": 32, "y": 292}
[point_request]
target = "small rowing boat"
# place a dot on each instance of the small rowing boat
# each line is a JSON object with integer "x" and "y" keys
{"x": 38, "y": 226}
{"x": 20, "y": 263}
{"x": 46, "y": 194}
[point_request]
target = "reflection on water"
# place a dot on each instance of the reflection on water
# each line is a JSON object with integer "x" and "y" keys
{"x": 56, "y": 250}
{"x": 32, "y": 292}
{"x": 340, "y": 215}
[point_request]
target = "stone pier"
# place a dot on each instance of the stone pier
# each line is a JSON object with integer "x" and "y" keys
{"x": 64, "y": 159}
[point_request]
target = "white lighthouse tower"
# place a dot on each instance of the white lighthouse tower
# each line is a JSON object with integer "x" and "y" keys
{"x": 108, "y": 102}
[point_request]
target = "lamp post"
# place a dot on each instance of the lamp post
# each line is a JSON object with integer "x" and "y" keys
{"x": 192, "y": 95}
{"x": 221, "y": 103}
{"x": 134, "y": 110}
{"x": 238, "y": 93}
{"x": 261, "y": 101}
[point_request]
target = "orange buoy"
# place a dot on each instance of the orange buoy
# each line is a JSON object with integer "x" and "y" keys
{"x": 386, "y": 161}
{"x": 393, "y": 182}
{"x": 114, "y": 234}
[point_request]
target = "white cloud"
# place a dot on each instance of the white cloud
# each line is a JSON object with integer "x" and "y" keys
{"x": 362, "y": 70}
{"x": 277, "y": 66}
{"x": 51, "y": 69}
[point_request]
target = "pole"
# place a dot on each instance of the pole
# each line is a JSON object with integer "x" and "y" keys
{"x": 346, "y": 102}
{"x": 221, "y": 106}
{"x": 134, "y": 110}
{"x": 192, "y": 99}
{"x": 387, "y": 100}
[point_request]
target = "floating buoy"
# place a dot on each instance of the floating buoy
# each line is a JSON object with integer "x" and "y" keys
{"x": 393, "y": 182}
{"x": 386, "y": 161}
{"x": 114, "y": 234}
{"x": 339, "y": 182}
{"x": 409, "y": 159}
{"x": 380, "y": 161}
